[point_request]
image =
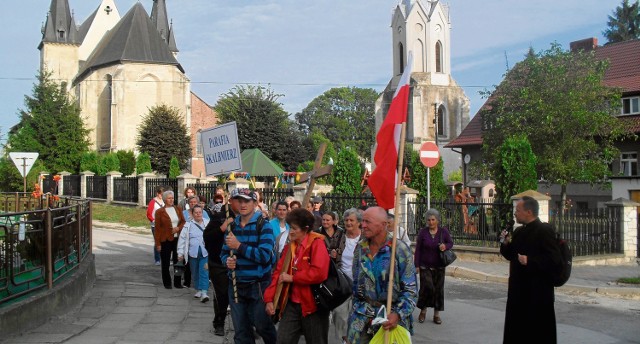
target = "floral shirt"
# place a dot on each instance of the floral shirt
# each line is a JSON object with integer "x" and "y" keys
{"x": 370, "y": 285}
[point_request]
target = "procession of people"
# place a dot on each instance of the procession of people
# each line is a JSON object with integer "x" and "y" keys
{"x": 261, "y": 266}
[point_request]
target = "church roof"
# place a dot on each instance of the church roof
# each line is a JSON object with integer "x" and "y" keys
{"x": 623, "y": 72}
{"x": 160, "y": 19}
{"x": 133, "y": 39}
{"x": 84, "y": 28}
{"x": 60, "y": 26}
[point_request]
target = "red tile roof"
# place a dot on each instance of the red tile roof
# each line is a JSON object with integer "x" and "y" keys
{"x": 623, "y": 72}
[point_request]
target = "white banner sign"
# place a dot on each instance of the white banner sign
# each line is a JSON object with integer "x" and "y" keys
{"x": 221, "y": 149}
{"x": 24, "y": 161}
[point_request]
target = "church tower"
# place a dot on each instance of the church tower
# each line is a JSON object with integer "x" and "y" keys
{"x": 438, "y": 108}
{"x": 60, "y": 43}
{"x": 161, "y": 21}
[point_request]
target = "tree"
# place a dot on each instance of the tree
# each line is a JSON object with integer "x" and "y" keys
{"x": 127, "y": 162}
{"x": 143, "y": 163}
{"x": 556, "y": 99}
{"x": 515, "y": 168}
{"x": 347, "y": 172}
{"x": 262, "y": 123}
{"x": 624, "y": 23}
{"x": 163, "y": 135}
{"x": 174, "y": 169}
{"x": 52, "y": 126}
{"x": 345, "y": 116}
{"x": 418, "y": 174}
{"x": 111, "y": 162}
{"x": 92, "y": 161}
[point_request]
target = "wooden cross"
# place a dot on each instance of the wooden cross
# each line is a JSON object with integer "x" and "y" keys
{"x": 317, "y": 172}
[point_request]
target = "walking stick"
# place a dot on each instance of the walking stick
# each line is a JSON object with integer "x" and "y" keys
{"x": 232, "y": 255}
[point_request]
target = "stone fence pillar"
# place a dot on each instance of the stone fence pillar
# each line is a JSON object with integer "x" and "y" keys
{"x": 142, "y": 188}
{"x": 110, "y": 176}
{"x": 543, "y": 202}
{"x": 83, "y": 182}
{"x": 407, "y": 195}
{"x": 62, "y": 175}
{"x": 628, "y": 217}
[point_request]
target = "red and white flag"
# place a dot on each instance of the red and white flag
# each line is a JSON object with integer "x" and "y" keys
{"x": 383, "y": 180}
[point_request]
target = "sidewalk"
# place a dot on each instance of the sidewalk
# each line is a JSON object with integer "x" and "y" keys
{"x": 584, "y": 279}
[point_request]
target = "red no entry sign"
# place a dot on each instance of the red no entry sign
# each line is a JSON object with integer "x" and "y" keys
{"x": 429, "y": 154}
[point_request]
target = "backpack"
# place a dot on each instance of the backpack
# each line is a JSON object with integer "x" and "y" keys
{"x": 565, "y": 252}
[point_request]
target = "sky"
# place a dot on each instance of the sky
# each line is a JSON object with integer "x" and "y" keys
{"x": 300, "y": 49}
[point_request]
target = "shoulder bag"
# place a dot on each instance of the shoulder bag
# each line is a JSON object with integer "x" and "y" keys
{"x": 447, "y": 256}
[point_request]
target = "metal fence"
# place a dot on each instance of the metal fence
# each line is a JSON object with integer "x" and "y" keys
{"x": 205, "y": 189}
{"x": 166, "y": 183}
{"x": 96, "y": 187}
{"x": 270, "y": 195}
{"x": 38, "y": 247}
{"x": 125, "y": 189}
{"x": 71, "y": 185}
{"x": 591, "y": 232}
{"x": 49, "y": 185}
{"x": 341, "y": 202}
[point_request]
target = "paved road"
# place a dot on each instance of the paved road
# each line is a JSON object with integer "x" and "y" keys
{"x": 129, "y": 305}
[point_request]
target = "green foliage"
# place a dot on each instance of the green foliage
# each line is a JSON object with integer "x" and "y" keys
{"x": 515, "y": 168}
{"x": 143, "y": 163}
{"x": 52, "y": 126}
{"x": 344, "y": 115}
{"x": 347, "y": 173}
{"x": 455, "y": 176}
{"x": 110, "y": 162}
{"x": 418, "y": 174}
{"x": 314, "y": 141}
{"x": 262, "y": 123}
{"x": 556, "y": 99}
{"x": 92, "y": 161}
{"x": 127, "y": 162}
{"x": 174, "y": 169}
{"x": 624, "y": 23}
{"x": 164, "y": 134}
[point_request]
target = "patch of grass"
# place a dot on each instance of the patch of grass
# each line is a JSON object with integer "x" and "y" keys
{"x": 629, "y": 280}
{"x": 130, "y": 216}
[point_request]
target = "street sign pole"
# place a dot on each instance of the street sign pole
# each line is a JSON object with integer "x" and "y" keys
{"x": 428, "y": 187}
{"x": 429, "y": 156}
{"x": 23, "y": 161}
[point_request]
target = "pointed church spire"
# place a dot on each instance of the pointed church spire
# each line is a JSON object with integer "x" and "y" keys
{"x": 60, "y": 26}
{"x": 160, "y": 19}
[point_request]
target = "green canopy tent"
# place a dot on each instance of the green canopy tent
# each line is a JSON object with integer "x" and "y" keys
{"x": 257, "y": 164}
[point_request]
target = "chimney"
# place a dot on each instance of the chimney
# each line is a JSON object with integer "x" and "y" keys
{"x": 586, "y": 44}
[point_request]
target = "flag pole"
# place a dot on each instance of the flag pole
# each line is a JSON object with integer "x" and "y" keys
{"x": 395, "y": 224}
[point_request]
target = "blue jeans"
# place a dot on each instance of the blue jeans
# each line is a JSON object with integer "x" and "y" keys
{"x": 156, "y": 254}
{"x": 249, "y": 311}
{"x": 199, "y": 275}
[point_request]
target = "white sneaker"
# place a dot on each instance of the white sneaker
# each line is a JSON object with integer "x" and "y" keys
{"x": 204, "y": 297}
{"x": 197, "y": 295}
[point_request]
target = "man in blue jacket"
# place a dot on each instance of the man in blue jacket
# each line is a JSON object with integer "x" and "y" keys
{"x": 251, "y": 241}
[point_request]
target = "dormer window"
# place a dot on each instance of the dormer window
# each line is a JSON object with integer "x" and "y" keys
{"x": 61, "y": 34}
{"x": 631, "y": 106}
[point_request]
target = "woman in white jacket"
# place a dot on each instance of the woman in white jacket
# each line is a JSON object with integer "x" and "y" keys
{"x": 191, "y": 247}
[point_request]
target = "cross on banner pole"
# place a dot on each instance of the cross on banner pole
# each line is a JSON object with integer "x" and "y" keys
{"x": 317, "y": 172}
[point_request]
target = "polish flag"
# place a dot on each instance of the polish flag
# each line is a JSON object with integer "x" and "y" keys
{"x": 383, "y": 180}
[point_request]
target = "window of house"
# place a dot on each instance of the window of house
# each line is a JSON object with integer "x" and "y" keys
{"x": 438, "y": 57}
{"x": 631, "y": 105}
{"x": 629, "y": 163}
{"x": 199, "y": 143}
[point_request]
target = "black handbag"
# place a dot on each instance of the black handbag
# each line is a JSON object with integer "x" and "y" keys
{"x": 447, "y": 256}
{"x": 334, "y": 291}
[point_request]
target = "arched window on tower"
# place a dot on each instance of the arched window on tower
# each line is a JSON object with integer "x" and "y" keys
{"x": 199, "y": 150}
{"x": 442, "y": 121}
{"x": 438, "y": 57}
{"x": 401, "y": 57}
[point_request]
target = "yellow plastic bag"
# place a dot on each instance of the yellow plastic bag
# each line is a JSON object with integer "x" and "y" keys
{"x": 398, "y": 335}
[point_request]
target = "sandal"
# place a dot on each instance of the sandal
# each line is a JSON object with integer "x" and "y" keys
{"x": 437, "y": 320}
{"x": 422, "y": 316}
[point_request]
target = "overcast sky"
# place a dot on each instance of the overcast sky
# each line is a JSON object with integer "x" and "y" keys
{"x": 303, "y": 48}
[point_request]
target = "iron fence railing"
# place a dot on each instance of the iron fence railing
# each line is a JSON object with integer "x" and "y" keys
{"x": 49, "y": 185}
{"x": 590, "y": 232}
{"x": 341, "y": 202}
{"x": 270, "y": 195}
{"x": 166, "y": 183}
{"x": 39, "y": 246}
{"x": 71, "y": 185}
{"x": 125, "y": 189}
{"x": 205, "y": 189}
{"x": 97, "y": 187}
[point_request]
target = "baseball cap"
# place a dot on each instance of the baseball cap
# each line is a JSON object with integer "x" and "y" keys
{"x": 316, "y": 199}
{"x": 244, "y": 193}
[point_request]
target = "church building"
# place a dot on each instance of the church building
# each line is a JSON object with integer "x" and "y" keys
{"x": 438, "y": 107}
{"x": 118, "y": 68}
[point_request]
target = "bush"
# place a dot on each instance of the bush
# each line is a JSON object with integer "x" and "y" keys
{"x": 143, "y": 163}
{"x": 127, "y": 162}
{"x": 174, "y": 168}
{"x": 110, "y": 162}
